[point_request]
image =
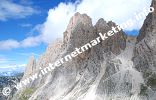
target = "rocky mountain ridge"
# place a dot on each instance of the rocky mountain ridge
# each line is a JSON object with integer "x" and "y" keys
{"x": 119, "y": 68}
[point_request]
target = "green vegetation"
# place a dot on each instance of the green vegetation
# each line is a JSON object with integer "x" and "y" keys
{"x": 26, "y": 94}
{"x": 143, "y": 90}
{"x": 152, "y": 81}
{"x": 147, "y": 74}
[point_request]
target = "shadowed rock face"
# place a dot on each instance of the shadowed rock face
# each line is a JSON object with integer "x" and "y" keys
{"x": 149, "y": 25}
{"x": 105, "y": 71}
{"x": 145, "y": 49}
{"x": 115, "y": 43}
{"x": 145, "y": 52}
{"x": 76, "y": 77}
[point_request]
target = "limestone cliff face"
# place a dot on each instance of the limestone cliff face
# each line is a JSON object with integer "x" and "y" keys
{"x": 78, "y": 76}
{"x": 118, "y": 68}
{"x": 53, "y": 52}
{"x": 115, "y": 43}
{"x": 31, "y": 67}
{"x": 145, "y": 54}
{"x": 145, "y": 49}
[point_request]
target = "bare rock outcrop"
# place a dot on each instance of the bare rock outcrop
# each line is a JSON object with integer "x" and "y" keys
{"x": 76, "y": 77}
{"x": 30, "y": 68}
{"x": 145, "y": 55}
{"x": 118, "y": 68}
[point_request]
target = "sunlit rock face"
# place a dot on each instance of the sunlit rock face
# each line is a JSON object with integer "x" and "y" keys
{"x": 118, "y": 68}
{"x": 84, "y": 72}
{"x": 30, "y": 68}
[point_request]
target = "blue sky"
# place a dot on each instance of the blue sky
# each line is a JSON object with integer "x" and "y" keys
{"x": 27, "y": 26}
{"x": 16, "y": 28}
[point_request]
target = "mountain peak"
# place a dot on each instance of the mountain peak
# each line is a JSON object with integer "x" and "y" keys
{"x": 78, "y": 18}
{"x": 31, "y": 67}
{"x": 149, "y": 24}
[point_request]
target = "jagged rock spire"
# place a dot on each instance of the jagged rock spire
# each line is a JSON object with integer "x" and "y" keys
{"x": 31, "y": 66}
{"x": 149, "y": 23}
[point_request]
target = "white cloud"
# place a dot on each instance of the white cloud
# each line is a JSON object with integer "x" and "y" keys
{"x": 118, "y": 11}
{"x": 57, "y": 21}
{"x": 7, "y": 44}
{"x": 30, "y": 42}
{"x": 7, "y": 64}
{"x": 13, "y": 68}
{"x": 26, "y": 25}
{"x": 13, "y": 44}
{"x": 4, "y": 60}
{"x": 9, "y": 9}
